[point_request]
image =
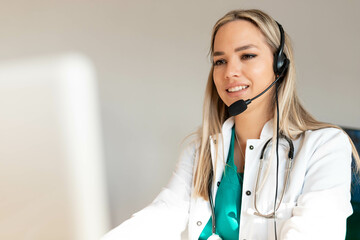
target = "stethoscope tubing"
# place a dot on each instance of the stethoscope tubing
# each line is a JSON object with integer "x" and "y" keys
{"x": 286, "y": 182}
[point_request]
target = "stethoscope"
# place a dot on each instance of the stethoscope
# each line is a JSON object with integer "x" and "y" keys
{"x": 289, "y": 164}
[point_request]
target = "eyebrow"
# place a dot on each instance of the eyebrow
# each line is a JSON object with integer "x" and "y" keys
{"x": 236, "y": 49}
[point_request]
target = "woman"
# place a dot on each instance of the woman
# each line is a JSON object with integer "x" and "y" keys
{"x": 223, "y": 165}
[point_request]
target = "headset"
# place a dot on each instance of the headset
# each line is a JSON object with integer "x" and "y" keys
{"x": 281, "y": 62}
{"x": 280, "y": 67}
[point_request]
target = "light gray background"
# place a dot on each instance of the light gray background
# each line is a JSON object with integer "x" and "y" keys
{"x": 152, "y": 66}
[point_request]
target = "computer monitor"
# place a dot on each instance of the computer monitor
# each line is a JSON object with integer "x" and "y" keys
{"x": 52, "y": 167}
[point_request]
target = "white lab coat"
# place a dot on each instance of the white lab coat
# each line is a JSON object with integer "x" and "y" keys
{"x": 316, "y": 203}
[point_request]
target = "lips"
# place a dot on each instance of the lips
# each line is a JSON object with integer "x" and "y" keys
{"x": 237, "y": 88}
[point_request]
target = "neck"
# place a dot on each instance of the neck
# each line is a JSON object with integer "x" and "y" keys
{"x": 249, "y": 125}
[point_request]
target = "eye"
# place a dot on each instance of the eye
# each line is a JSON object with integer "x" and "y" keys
{"x": 219, "y": 62}
{"x": 247, "y": 56}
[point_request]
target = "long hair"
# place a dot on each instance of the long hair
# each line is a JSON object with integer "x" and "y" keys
{"x": 293, "y": 118}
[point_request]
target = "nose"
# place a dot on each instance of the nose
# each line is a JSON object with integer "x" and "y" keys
{"x": 233, "y": 69}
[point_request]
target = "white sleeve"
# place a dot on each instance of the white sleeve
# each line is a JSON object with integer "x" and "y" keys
{"x": 166, "y": 217}
{"x": 324, "y": 205}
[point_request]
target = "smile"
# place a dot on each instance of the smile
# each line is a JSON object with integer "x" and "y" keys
{"x": 237, "y": 88}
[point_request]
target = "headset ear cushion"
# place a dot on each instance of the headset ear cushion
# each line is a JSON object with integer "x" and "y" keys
{"x": 278, "y": 62}
{"x": 281, "y": 63}
{"x": 285, "y": 66}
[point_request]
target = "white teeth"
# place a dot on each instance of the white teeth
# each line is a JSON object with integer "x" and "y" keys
{"x": 238, "y": 88}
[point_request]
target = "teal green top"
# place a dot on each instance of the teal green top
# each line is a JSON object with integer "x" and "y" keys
{"x": 227, "y": 201}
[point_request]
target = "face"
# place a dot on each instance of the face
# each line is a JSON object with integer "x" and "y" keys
{"x": 243, "y": 63}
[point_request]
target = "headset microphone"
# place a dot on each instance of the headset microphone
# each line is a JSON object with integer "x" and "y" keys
{"x": 241, "y": 105}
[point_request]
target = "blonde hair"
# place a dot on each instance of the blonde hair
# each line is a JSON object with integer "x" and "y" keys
{"x": 294, "y": 119}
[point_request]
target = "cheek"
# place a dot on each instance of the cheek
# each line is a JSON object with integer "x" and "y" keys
{"x": 217, "y": 80}
{"x": 219, "y": 86}
{"x": 262, "y": 73}
{"x": 260, "y": 68}
{"x": 216, "y": 74}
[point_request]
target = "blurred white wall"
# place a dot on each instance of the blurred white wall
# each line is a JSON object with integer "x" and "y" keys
{"x": 152, "y": 66}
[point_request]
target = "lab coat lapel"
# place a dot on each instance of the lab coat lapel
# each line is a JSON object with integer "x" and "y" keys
{"x": 222, "y": 141}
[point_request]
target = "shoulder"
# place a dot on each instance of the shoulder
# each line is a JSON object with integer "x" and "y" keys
{"x": 192, "y": 146}
{"x": 326, "y": 143}
{"x": 324, "y": 157}
{"x": 326, "y": 135}
{"x": 190, "y": 151}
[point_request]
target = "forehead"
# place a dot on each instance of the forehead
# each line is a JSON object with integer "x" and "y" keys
{"x": 236, "y": 33}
